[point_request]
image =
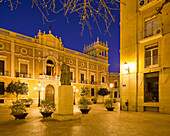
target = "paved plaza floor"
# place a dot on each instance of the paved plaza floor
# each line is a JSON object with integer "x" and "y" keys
{"x": 99, "y": 122}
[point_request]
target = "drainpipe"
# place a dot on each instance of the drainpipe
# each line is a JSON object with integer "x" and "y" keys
{"x": 137, "y": 65}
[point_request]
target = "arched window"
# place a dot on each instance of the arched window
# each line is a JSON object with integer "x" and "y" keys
{"x": 50, "y": 67}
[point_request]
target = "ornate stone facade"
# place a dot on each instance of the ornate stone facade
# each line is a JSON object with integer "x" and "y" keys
{"x": 39, "y": 59}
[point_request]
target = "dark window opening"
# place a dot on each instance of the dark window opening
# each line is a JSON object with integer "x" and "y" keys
{"x": 92, "y": 79}
{"x": 103, "y": 80}
{"x": 1, "y": 67}
{"x": 50, "y": 68}
{"x": 115, "y": 84}
{"x": 1, "y": 100}
{"x": 115, "y": 94}
{"x": 71, "y": 75}
{"x": 151, "y": 88}
{"x": 82, "y": 78}
{"x": 1, "y": 88}
{"x": 92, "y": 91}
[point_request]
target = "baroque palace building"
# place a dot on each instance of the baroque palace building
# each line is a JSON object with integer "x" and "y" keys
{"x": 38, "y": 60}
{"x": 144, "y": 55}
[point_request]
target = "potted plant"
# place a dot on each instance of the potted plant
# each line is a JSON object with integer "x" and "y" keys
{"x": 18, "y": 110}
{"x": 47, "y": 108}
{"x": 84, "y": 91}
{"x": 17, "y": 88}
{"x": 83, "y": 105}
{"x": 103, "y": 92}
{"x": 108, "y": 103}
{"x": 94, "y": 100}
{"x": 27, "y": 102}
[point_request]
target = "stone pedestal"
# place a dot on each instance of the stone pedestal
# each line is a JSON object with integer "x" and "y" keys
{"x": 65, "y": 100}
{"x": 65, "y": 104}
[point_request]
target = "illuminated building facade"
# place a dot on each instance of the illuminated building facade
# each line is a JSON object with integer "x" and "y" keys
{"x": 38, "y": 60}
{"x": 114, "y": 84}
{"x": 144, "y": 55}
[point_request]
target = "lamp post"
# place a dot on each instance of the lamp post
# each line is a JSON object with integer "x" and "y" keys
{"x": 39, "y": 91}
{"x": 111, "y": 85}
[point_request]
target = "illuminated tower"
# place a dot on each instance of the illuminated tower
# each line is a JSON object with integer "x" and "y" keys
{"x": 97, "y": 49}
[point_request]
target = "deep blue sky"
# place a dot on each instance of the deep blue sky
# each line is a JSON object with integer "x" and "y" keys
{"x": 26, "y": 20}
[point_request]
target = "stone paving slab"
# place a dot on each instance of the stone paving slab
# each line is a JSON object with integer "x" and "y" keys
{"x": 99, "y": 122}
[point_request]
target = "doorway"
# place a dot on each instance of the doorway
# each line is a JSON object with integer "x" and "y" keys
{"x": 49, "y": 93}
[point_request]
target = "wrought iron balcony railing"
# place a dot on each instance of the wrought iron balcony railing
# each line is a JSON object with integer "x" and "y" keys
{"x": 49, "y": 77}
{"x": 22, "y": 75}
{"x": 83, "y": 81}
{"x": 93, "y": 82}
{"x": 4, "y": 73}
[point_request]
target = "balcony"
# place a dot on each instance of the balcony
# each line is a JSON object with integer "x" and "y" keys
{"x": 22, "y": 75}
{"x": 4, "y": 73}
{"x": 73, "y": 81}
{"x": 150, "y": 34}
{"x": 48, "y": 77}
{"x": 83, "y": 81}
{"x": 93, "y": 82}
{"x": 144, "y": 4}
{"x": 103, "y": 83}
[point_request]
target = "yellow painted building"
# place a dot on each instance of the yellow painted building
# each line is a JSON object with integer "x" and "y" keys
{"x": 144, "y": 55}
{"x": 114, "y": 85}
{"x": 38, "y": 60}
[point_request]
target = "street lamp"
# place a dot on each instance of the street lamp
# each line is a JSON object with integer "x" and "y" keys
{"x": 39, "y": 90}
{"x": 111, "y": 85}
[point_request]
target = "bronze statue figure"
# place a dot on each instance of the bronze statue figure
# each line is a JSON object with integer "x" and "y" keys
{"x": 65, "y": 75}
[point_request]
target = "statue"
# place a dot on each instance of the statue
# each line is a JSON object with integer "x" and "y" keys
{"x": 65, "y": 75}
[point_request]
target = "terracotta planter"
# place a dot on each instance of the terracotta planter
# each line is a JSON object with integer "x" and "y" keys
{"x": 84, "y": 111}
{"x": 46, "y": 114}
{"x": 110, "y": 109}
{"x": 20, "y": 116}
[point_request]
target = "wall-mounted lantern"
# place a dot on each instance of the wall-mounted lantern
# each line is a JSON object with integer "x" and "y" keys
{"x": 126, "y": 69}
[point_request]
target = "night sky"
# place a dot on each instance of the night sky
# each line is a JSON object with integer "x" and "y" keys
{"x": 27, "y": 21}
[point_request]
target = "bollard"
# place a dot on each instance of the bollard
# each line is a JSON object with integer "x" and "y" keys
{"x": 126, "y": 103}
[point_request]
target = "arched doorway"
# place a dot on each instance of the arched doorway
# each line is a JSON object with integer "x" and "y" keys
{"x": 115, "y": 94}
{"x": 49, "y": 93}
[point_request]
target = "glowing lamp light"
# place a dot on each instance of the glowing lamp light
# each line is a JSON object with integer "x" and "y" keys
{"x": 77, "y": 90}
{"x": 125, "y": 68}
{"x": 74, "y": 87}
{"x": 43, "y": 88}
{"x": 35, "y": 88}
{"x": 39, "y": 84}
{"x": 111, "y": 85}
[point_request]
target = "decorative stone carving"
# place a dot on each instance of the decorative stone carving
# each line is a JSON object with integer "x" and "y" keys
{"x": 92, "y": 66}
{"x": 82, "y": 64}
{"x": 71, "y": 61}
{"x": 24, "y": 51}
{"x": 65, "y": 75}
{"x": 1, "y": 46}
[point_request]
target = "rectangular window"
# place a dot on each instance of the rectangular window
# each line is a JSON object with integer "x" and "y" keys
{"x": 1, "y": 88}
{"x": 115, "y": 84}
{"x": 103, "y": 79}
{"x": 92, "y": 91}
{"x": 151, "y": 27}
{"x": 82, "y": 78}
{"x": 151, "y": 57}
{"x": 71, "y": 75}
{"x": 92, "y": 79}
{"x": 1, "y": 67}
{"x": 151, "y": 87}
{"x": 23, "y": 68}
{"x": 1, "y": 100}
